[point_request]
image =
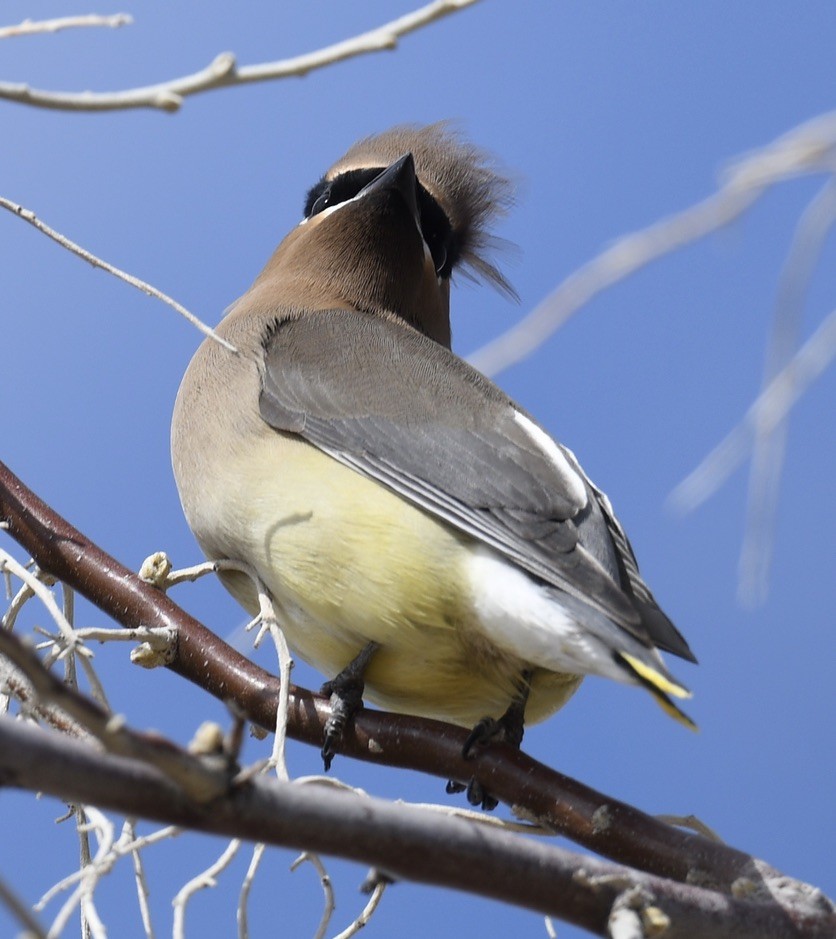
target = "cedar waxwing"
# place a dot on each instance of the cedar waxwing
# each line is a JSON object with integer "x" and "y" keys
{"x": 421, "y": 535}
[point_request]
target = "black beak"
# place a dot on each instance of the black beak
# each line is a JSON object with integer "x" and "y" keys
{"x": 398, "y": 177}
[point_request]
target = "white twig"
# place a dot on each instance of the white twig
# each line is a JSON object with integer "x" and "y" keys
{"x": 151, "y": 634}
{"x": 805, "y": 149}
{"x": 88, "y": 877}
{"x": 551, "y": 932}
{"x": 28, "y": 216}
{"x": 626, "y": 256}
{"x": 246, "y": 887}
{"x": 36, "y": 27}
{"x": 34, "y": 582}
{"x": 769, "y": 449}
{"x": 367, "y": 912}
{"x": 269, "y": 623}
{"x": 769, "y": 408}
{"x": 200, "y": 882}
{"x": 327, "y": 890}
{"x": 142, "y": 892}
{"x": 18, "y": 601}
{"x": 126, "y": 844}
{"x": 278, "y": 757}
{"x": 98, "y": 866}
{"x": 83, "y": 829}
{"x": 224, "y": 73}
{"x": 480, "y": 818}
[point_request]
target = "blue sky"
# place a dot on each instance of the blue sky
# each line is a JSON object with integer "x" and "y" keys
{"x": 610, "y": 116}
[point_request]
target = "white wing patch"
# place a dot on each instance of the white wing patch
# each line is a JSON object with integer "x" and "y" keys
{"x": 527, "y": 620}
{"x": 575, "y": 487}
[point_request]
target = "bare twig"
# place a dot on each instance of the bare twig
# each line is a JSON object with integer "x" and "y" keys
{"x": 37, "y": 27}
{"x": 246, "y": 887}
{"x": 769, "y": 408}
{"x": 10, "y": 900}
{"x": 127, "y": 844}
{"x": 808, "y": 148}
{"x": 197, "y": 778}
{"x": 83, "y": 829}
{"x": 765, "y": 471}
{"x": 28, "y": 216}
{"x": 329, "y": 903}
{"x": 129, "y": 833}
{"x": 367, "y": 912}
{"x": 93, "y": 871}
{"x": 202, "y": 881}
{"x": 223, "y": 72}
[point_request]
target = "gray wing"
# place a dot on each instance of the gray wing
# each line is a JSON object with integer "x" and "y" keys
{"x": 405, "y": 411}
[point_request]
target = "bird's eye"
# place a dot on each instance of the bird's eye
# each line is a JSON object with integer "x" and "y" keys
{"x": 330, "y": 192}
{"x": 440, "y": 258}
{"x": 437, "y": 232}
{"x": 321, "y": 202}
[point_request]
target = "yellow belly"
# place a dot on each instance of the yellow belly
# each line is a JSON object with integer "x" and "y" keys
{"x": 348, "y": 562}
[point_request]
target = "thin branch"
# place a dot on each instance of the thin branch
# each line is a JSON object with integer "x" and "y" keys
{"x": 367, "y": 912}
{"x": 28, "y": 216}
{"x": 142, "y": 891}
{"x": 93, "y": 872}
{"x": 201, "y": 780}
{"x": 329, "y": 903}
{"x": 770, "y": 408}
{"x": 223, "y": 72}
{"x": 83, "y": 829}
{"x": 10, "y": 900}
{"x": 406, "y": 843}
{"x": 808, "y": 148}
{"x": 205, "y": 879}
{"x": 37, "y": 27}
{"x": 246, "y": 887}
{"x": 126, "y": 844}
{"x": 769, "y": 449}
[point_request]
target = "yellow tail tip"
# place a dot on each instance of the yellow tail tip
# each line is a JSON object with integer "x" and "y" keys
{"x": 660, "y": 687}
{"x": 657, "y": 679}
{"x": 673, "y": 711}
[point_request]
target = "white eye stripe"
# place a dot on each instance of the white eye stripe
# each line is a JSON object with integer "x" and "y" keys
{"x": 333, "y": 208}
{"x": 575, "y": 486}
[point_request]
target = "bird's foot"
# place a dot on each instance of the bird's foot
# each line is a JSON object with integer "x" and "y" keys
{"x": 508, "y": 729}
{"x": 475, "y": 793}
{"x": 346, "y": 699}
{"x": 345, "y": 693}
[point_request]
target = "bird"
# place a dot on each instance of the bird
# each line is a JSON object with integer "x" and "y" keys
{"x": 428, "y": 545}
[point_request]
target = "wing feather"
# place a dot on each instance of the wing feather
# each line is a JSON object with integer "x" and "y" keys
{"x": 391, "y": 404}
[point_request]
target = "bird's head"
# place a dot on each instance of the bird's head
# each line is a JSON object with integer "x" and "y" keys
{"x": 389, "y": 224}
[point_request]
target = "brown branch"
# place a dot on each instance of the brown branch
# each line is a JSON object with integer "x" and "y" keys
{"x": 405, "y": 842}
{"x": 604, "y": 825}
